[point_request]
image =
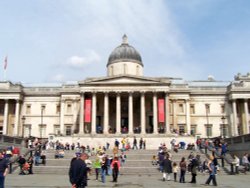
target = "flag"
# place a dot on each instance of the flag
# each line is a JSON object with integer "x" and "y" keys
{"x": 5, "y": 62}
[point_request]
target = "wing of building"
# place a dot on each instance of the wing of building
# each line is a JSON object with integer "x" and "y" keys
{"x": 125, "y": 102}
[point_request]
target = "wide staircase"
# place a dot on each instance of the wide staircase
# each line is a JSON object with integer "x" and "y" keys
{"x": 138, "y": 162}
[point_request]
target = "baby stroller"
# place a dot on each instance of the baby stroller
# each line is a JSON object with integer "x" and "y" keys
{"x": 25, "y": 168}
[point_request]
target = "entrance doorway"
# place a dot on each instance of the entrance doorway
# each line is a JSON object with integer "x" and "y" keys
{"x": 124, "y": 125}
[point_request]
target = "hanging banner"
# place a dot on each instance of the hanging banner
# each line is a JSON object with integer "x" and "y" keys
{"x": 161, "y": 111}
{"x": 87, "y": 110}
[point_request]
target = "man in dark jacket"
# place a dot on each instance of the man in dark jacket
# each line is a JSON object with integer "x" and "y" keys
{"x": 78, "y": 172}
{"x": 3, "y": 169}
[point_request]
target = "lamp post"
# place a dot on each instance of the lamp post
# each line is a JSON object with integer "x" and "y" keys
{"x": 41, "y": 128}
{"x": 23, "y": 122}
{"x": 223, "y": 126}
{"x": 207, "y": 108}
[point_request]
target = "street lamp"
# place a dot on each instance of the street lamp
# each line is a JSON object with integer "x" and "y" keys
{"x": 207, "y": 109}
{"x": 223, "y": 118}
{"x": 23, "y": 121}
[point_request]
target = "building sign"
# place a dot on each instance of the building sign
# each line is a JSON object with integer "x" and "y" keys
{"x": 161, "y": 111}
{"x": 87, "y": 110}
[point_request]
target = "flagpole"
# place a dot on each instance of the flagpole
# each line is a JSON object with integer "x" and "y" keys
{"x": 5, "y": 68}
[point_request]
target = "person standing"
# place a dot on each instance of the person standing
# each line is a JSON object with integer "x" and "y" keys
{"x": 135, "y": 144}
{"x": 175, "y": 170}
{"x": 78, "y": 172}
{"x": 167, "y": 168}
{"x": 183, "y": 168}
{"x": 115, "y": 165}
{"x": 193, "y": 166}
{"x": 212, "y": 171}
{"x": 104, "y": 169}
{"x": 3, "y": 169}
{"x": 97, "y": 167}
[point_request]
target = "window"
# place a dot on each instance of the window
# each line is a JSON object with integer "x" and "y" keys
{"x": 57, "y": 129}
{"x": 181, "y": 108}
{"x": 224, "y": 131}
{"x": 58, "y": 108}
{"x": 208, "y": 130}
{"x": 28, "y": 109}
{"x": 222, "y": 108}
{"x": 192, "y": 109}
{"x": 68, "y": 130}
{"x": 181, "y": 129}
{"x": 193, "y": 130}
{"x": 42, "y": 131}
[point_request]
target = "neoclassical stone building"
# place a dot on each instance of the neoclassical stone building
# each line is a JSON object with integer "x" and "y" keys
{"x": 125, "y": 102}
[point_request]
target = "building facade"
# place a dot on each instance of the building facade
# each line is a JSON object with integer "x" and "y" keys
{"x": 125, "y": 102}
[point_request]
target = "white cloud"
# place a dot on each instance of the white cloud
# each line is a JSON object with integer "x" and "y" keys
{"x": 80, "y": 62}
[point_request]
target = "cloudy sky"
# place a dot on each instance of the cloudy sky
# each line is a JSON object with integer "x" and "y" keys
{"x": 61, "y": 40}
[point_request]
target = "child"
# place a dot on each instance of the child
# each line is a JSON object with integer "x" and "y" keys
{"x": 175, "y": 170}
{"x": 154, "y": 160}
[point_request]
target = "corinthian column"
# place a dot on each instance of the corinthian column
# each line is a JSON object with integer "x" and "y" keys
{"x": 6, "y": 114}
{"x": 81, "y": 128}
{"x": 17, "y": 113}
{"x": 143, "y": 113}
{"x": 246, "y": 128}
{"x": 130, "y": 129}
{"x": 155, "y": 129}
{"x": 118, "y": 113}
{"x": 93, "y": 125}
{"x": 188, "y": 117}
{"x": 106, "y": 113}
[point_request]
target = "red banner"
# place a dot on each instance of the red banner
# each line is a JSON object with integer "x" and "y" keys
{"x": 161, "y": 111}
{"x": 87, "y": 110}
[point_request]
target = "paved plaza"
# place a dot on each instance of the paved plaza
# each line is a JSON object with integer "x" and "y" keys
{"x": 126, "y": 181}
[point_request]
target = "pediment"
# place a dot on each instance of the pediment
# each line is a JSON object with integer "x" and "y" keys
{"x": 125, "y": 80}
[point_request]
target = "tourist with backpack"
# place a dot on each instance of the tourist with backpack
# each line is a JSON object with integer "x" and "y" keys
{"x": 115, "y": 165}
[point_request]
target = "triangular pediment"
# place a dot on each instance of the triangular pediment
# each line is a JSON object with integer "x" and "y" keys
{"x": 125, "y": 80}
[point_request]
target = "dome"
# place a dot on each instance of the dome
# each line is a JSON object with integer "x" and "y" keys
{"x": 124, "y": 53}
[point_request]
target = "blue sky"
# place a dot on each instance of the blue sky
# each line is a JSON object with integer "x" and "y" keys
{"x": 61, "y": 40}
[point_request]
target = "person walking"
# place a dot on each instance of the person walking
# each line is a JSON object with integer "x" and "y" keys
{"x": 183, "y": 169}
{"x": 212, "y": 171}
{"x": 78, "y": 172}
{"x": 3, "y": 169}
{"x": 104, "y": 169}
{"x": 115, "y": 165}
{"x": 97, "y": 167}
{"x": 167, "y": 168}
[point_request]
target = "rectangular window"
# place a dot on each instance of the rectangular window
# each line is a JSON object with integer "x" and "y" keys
{"x": 58, "y": 109}
{"x": 42, "y": 129}
{"x": 57, "y": 129}
{"x": 28, "y": 109}
{"x": 193, "y": 130}
{"x": 208, "y": 130}
{"x": 68, "y": 130}
{"x": 224, "y": 130}
{"x": 192, "y": 109}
